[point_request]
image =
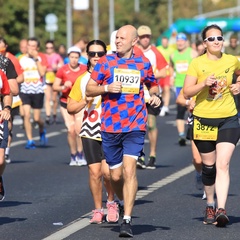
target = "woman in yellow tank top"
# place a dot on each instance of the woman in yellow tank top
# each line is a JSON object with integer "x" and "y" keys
{"x": 216, "y": 128}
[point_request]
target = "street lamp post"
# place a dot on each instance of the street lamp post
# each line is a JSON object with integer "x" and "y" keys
{"x": 69, "y": 22}
{"x": 95, "y": 20}
{"x": 31, "y": 18}
{"x": 170, "y": 13}
{"x": 111, "y": 17}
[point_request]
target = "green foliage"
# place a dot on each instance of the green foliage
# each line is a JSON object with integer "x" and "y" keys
{"x": 154, "y": 13}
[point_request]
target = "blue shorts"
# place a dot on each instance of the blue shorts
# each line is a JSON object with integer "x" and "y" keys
{"x": 116, "y": 145}
{"x": 178, "y": 89}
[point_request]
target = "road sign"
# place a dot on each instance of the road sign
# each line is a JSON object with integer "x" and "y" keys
{"x": 81, "y": 4}
{"x": 51, "y": 18}
{"x": 51, "y": 27}
{"x": 51, "y": 23}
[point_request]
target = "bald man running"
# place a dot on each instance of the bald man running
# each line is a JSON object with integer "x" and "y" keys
{"x": 119, "y": 78}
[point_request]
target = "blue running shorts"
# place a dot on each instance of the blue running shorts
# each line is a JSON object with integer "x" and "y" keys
{"x": 116, "y": 145}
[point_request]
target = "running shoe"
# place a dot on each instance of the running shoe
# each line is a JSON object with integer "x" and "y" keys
{"x": 199, "y": 184}
{"x": 2, "y": 191}
{"x": 121, "y": 210}
{"x": 221, "y": 217}
{"x": 97, "y": 216}
{"x": 30, "y": 144}
{"x": 209, "y": 217}
{"x": 47, "y": 120}
{"x": 182, "y": 142}
{"x": 80, "y": 160}
{"x": 73, "y": 161}
{"x": 126, "y": 229}
{"x": 112, "y": 212}
{"x": 164, "y": 111}
{"x": 35, "y": 125}
{"x": 7, "y": 158}
{"x": 204, "y": 197}
{"x": 141, "y": 163}
{"x": 151, "y": 163}
{"x": 43, "y": 138}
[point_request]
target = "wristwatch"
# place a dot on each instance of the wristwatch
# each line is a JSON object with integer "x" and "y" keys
{"x": 8, "y": 107}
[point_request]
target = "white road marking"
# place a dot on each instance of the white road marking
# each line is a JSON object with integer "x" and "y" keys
{"x": 49, "y": 135}
{"x": 83, "y": 221}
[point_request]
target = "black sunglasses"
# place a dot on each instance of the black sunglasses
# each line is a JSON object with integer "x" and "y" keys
{"x": 213, "y": 38}
{"x": 93, "y": 54}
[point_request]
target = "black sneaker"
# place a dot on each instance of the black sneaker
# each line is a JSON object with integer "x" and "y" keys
{"x": 121, "y": 210}
{"x": 221, "y": 217}
{"x": 151, "y": 163}
{"x": 126, "y": 229}
{"x": 209, "y": 217}
{"x": 2, "y": 192}
{"x": 182, "y": 142}
{"x": 141, "y": 163}
{"x": 47, "y": 120}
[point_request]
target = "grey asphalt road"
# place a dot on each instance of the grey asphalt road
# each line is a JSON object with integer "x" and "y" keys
{"x": 47, "y": 199}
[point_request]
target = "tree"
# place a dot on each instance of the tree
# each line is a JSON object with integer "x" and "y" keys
{"x": 154, "y": 13}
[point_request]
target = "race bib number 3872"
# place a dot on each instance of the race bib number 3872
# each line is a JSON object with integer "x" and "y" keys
{"x": 129, "y": 78}
{"x": 204, "y": 132}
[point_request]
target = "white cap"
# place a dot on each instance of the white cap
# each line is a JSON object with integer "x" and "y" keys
{"x": 112, "y": 41}
{"x": 74, "y": 49}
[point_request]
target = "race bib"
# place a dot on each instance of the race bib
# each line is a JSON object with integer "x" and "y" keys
{"x": 31, "y": 76}
{"x": 50, "y": 77}
{"x": 204, "y": 132}
{"x": 182, "y": 67}
{"x": 129, "y": 78}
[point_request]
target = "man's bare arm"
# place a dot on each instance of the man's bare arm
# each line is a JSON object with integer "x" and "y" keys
{"x": 93, "y": 89}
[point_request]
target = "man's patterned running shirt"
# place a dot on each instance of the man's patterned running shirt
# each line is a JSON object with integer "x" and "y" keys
{"x": 123, "y": 112}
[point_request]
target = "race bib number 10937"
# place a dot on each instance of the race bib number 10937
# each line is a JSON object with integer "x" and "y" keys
{"x": 129, "y": 78}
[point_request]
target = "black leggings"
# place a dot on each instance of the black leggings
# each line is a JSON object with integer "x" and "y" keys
{"x": 230, "y": 135}
{"x": 181, "y": 110}
{"x": 92, "y": 150}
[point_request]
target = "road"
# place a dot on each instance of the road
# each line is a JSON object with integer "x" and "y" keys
{"x": 47, "y": 199}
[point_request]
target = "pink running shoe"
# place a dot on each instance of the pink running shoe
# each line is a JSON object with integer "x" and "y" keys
{"x": 97, "y": 216}
{"x": 112, "y": 212}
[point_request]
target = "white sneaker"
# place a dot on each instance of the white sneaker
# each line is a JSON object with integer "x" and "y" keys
{"x": 73, "y": 162}
{"x": 7, "y": 159}
{"x": 81, "y": 161}
{"x": 204, "y": 196}
{"x": 162, "y": 113}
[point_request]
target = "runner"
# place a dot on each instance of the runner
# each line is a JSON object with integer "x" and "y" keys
{"x": 91, "y": 137}
{"x": 5, "y": 115}
{"x": 159, "y": 66}
{"x": 180, "y": 60}
{"x": 216, "y": 127}
{"x": 65, "y": 78}
{"x": 34, "y": 65}
{"x": 119, "y": 78}
{"x": 54, "y": 63}
{"x": 16, "y": 101}
{"x": 166, "y": 83}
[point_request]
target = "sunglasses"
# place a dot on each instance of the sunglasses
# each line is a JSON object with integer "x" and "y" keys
{"x": 214, "y": 38}
{"x": 93, "y": 54}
